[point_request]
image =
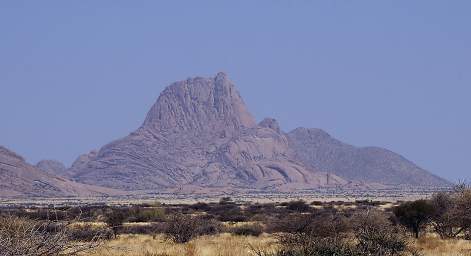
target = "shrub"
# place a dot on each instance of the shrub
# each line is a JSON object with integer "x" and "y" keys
{"x": 114, "y": 218}
{"x": 373, "y": 235}
{"x": 148, "y": 229}
{"x": 247, "y": 230}
{"x": 415, "y": 215}
{"x": 462, "y": 209}
{"x": 453, "y": 212}
{"x": 298, "y": 245}
{"x": 89, "y": 233}
{"x": 323, "y": 233}
{"x": 377, "y": 236}
{"x": 138, "y": 214}
{"x": 207, "y": 226}
{"x": 260, "y": 218}
{"x": 292, "y": 223}
{"x": 228, "y": 212}
{"x": 200, "y": 207}
{"x": 321, "y": 224}
{"x": 183, "y": 228}
{"x": 21, "y": 236}
{"x": 444, "y": 220}
{"x": 234, "y": 215}
{"x": 260, "y": 208}
{"x": 367, "y": 203}
{"x": 298, "y": 206}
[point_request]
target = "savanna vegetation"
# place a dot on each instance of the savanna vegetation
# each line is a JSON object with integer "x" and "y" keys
{"x": 440, "y": 225}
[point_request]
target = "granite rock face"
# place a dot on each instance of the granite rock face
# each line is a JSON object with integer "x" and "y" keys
{"x": 20, "y": 179}
{"x": 199, "y": 134}
{"x": 199, "y": 104}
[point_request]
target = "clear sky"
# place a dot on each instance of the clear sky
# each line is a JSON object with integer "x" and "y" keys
{"x": 74, "y": 75}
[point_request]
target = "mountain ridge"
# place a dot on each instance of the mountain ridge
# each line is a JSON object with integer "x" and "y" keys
{"x": 318, "y": 149}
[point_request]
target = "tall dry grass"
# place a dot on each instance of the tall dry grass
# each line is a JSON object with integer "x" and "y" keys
{"x": 434, "y": 246}
{"x": 230, "y": 245}
{"x": 219, "y": 245}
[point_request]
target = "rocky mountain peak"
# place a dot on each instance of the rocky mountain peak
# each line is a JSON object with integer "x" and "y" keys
{"x": 199, "y": 104}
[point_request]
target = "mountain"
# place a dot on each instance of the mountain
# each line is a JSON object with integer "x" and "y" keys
{"x": 52, "y": 167}
{"x": 317, "y": 149}
{"x": 20, "y": 179}
{"x": 199, "y": 134}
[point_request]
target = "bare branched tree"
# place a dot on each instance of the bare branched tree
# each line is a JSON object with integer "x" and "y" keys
{"x": 453, "y": 211}
{"x": 26, "y": 237}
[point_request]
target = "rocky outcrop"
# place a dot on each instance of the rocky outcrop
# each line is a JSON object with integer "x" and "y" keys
{"x": 199, "y": 134}
{"x": 20, "y": 179}
{"x": 199, "y": 104}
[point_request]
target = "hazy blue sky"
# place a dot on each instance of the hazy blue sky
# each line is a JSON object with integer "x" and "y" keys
{"x": 75, "y": 75}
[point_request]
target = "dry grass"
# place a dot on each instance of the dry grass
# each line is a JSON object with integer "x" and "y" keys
{"x": 230, "y": 245}
{"x": 220, "y": 245}
{"x": 434, "y": 246}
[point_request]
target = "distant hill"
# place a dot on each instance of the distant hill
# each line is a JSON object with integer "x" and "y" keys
{"x": 20, "y": 179}
{"x": 52, "y": 167}
{"x": 199, "y": 134}
{"x": 317, "y": 149}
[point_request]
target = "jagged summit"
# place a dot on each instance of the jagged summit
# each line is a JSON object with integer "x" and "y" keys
{"x": 199, "y": 104}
